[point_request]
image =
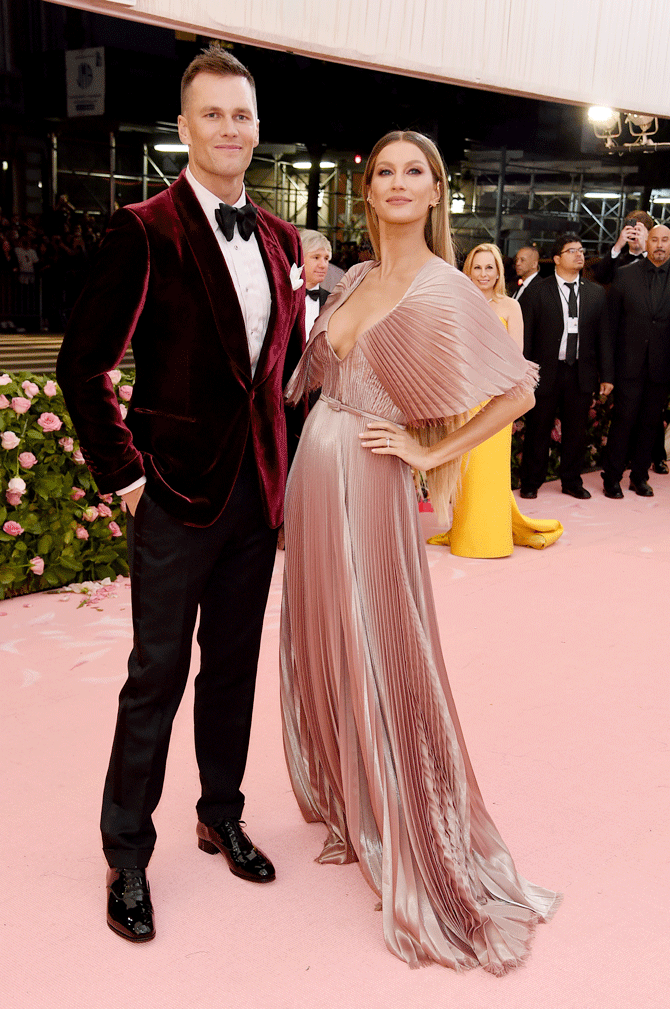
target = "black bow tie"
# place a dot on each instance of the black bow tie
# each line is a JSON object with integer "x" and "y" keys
{"x": 313, "y": 294}
{"x": 245, "y": 216}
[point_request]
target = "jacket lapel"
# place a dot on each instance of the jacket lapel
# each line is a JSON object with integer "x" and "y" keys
{"x": 216, "y": 278}
{"x": 282, "y": 294}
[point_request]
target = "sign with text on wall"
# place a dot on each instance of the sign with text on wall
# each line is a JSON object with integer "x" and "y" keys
{"x": 85, "y": 78}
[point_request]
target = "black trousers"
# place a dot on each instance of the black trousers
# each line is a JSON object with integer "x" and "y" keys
{"x": 223, "y": 572}
{"x": 636, "y": 416}
{"x": 567, "y": 401}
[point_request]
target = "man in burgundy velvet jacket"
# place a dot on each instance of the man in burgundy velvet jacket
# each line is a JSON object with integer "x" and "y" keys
{"x": 215, "y": 313}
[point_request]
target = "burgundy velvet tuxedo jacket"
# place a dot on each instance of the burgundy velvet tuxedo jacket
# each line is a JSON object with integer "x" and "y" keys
{"x": 160, "y": 280}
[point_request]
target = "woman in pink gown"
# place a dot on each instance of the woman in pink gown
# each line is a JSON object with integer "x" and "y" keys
{"x": 372, "y": 738}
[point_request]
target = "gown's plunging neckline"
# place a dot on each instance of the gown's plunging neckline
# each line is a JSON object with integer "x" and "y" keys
{"x": 380, "y": 320}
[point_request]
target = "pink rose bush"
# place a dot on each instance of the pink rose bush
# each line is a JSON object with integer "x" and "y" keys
{"x": 55, "y": 527}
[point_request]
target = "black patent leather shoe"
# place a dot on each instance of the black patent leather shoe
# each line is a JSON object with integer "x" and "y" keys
{"x": 580, "y": 492}
{"x": 528, "y": 493}
{"x": 641, "y": 488}
{"x": 244, "y": 858}
{"x": 613, "y": 489}
{"x": 661, "y": 467}
{"x": 129, "y": 910}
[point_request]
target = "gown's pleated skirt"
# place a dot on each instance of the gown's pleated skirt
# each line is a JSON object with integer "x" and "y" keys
{"x": 372, "y": 739}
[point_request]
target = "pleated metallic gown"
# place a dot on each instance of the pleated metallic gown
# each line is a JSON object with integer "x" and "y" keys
{"x": 372, "y": 739}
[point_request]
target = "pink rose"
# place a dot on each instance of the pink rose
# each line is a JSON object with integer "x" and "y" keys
{"x": 37, "y": 566}
{"x": 104, "y": 511}
{"x": 556, "y": 433}
{"x": 114, "y": 529}
{"x": 17, "y": 485}
{"x": 9, "y": 440}
{"x": 27, "y": 460}
{"x": 13, "y": 498}
{"x": 125, "y": 392}
{"x": 12, "y": 528}
{"x": 4, "y": 402}
{"x": 124, "y": 506}
{"x": 20, "y": 404}
{"x": 107, "y": 498}
{"x": 77, "y": 456}
{"x": 50, "y": 388}
{"x": 81, "y": 533}
{"x": 49, "y": 422}
{"x": 90, "y": 513}
{"x": 5, "y": 379}
{"x": 30, "y": 389}
{"x": 77, "y": 493}
{"x": 66, "y": 444}
{"x": 123, "y": 410}
{"x": 115, "y": 376}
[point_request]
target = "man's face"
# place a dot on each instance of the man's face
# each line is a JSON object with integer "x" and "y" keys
{"x": 316, "y": 267}
{"x": 219, "y": 125}
{"x": 658, "y": 245}
{"x": 525, "y": 263}
{"x": 571, "y": 258}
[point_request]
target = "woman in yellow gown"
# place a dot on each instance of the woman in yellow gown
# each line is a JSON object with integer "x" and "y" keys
{"x": 486, "y": 519}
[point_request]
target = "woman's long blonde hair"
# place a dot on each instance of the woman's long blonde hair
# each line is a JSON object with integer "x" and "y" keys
{"x": 442, "y": 480}
{"x": 499, "y": 289}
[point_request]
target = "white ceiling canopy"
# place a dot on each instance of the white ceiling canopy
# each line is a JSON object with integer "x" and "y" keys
{"x": 604, "y": 52}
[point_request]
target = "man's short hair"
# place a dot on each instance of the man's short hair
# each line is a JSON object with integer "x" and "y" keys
{"x": 313, "y": 240}
{"x": 639, "y": 215}
{"x": 564, "y": 239}
{"x": 529, "y": 248}
{"x": 215, "y": 60}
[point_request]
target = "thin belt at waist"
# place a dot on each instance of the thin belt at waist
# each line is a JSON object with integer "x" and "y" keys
{"x": 336, "y": 405}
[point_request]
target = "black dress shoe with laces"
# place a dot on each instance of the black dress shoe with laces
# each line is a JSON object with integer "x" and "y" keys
{"x": 129, "y": 910}
{"x": 579, "y": 492}
{"x": 528, "y": 493}
{"x": 612, "y": 489}
{"x": 661, "y": 467}
{"x": 641, "y": 488}
{"x": 244, "y": 858}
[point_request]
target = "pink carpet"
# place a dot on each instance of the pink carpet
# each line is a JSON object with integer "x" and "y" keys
{"x": 558, "y": 661}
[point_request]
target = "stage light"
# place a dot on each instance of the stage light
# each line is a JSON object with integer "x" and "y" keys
{"x": 601, "y": 196}
{"x": 171, "y": 148}
{"x": 603, "y": 116}
{"x": 357, "y": 159}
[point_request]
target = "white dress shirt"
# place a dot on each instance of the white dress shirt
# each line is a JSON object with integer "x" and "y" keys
{"x": 522, "y": 287}
{"x": 312, "y": 309}
{"x": 247, "y": 271}
{"x": 564, "y": 294}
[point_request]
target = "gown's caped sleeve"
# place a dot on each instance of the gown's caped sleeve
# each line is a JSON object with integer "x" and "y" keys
{"x": 309, "y": 373}
{"x": 443, "y": 350}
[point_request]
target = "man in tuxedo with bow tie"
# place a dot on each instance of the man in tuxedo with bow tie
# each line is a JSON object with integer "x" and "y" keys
{"x": 207, "y": 287}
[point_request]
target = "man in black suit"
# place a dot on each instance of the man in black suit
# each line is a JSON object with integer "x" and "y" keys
{"x": 208, "y": 288}
{"x": 566, "y": 331}
{"x": 527, "y": 266}
{"x": 630, "y": 246}
{"x": 639, "y": 301}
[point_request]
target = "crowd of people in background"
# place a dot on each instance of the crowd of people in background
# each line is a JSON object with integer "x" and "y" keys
{"x": 47, "y": 256}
